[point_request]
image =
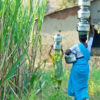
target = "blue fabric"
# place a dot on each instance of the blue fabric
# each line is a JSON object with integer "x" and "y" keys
{"x": 78, "y": 80}
{"x": 84, "y": 51}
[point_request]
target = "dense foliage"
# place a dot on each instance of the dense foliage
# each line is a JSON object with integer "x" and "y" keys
{"x": 20, "y": 39}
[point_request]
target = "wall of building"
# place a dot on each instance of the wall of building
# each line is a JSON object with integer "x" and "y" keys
{"x": 65, "y": 21}
{"x": 95, "y": 11}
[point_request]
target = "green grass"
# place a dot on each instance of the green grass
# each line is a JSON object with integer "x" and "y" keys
{"x": 48, "y": 92}
{"x": 94, "y": 84}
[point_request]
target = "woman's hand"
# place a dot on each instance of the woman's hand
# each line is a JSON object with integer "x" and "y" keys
{"x": 51, "y": 46}
{"x": 67, "y": 52}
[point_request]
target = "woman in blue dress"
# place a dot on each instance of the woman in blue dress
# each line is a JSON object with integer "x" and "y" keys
{"x": 78, "y": 80}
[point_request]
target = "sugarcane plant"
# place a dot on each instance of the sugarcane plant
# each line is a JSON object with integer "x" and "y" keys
{"x": 19, "y": 41}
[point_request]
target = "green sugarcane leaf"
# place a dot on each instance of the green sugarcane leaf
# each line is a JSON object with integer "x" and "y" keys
{"x": 0, "y": 83}
{"x": 14, "y": 84}
{"x": 14, "y": 68}
{"x": 33, "y": 78}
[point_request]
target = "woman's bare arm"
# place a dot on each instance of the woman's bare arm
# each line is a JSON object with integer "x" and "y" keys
{"x": 50, "y": 50}
{"x": 91, "y": 31}
{"x": 62, "y": 51}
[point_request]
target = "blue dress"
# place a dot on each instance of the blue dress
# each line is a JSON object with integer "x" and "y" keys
{"x": 78, "y": 80}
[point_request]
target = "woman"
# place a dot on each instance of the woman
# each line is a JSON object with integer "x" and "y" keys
{"x": 57, "y": 64}
{"x": 78, "y": 80}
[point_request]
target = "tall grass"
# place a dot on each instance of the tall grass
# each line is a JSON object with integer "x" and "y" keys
{"x": 17, "y": 53}
{"x": 20, "y": 39}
